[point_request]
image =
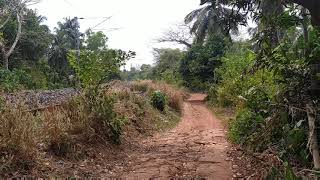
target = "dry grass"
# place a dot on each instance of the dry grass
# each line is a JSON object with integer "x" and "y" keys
{"x": 175, "y": 95}
{"x": 60, "y": 130}
{"x": 19, "y": 134}
{"x": 143, "y": 118}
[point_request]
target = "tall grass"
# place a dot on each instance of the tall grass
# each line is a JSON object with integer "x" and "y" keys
{"x": 175, "y": 95}
{"x": 19, "y": 134}
{"x": 91, "y": 117}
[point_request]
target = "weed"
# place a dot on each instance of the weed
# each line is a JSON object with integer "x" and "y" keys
{"x": 141, "y": 86}
{"x": 19, "y": 132}
{"x": 245, "y": 124}
{"x": 158, "y": 100}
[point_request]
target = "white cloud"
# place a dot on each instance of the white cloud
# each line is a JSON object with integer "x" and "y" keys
{"x": 141, "y": 21}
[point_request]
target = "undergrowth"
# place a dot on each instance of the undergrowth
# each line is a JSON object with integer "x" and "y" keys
{"x": 107, "y": 114}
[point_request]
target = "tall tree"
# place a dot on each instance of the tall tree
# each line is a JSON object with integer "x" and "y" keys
{"x": 213, "y": 17}
{"x": 67, "y": 37}
{"x": 12, "y": 9}
{"x": 34, "y": 42}
{"x": 198, "y": 67}
{"x": 96, "y": 41}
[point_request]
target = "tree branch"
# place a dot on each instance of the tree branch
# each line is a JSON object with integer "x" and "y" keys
{"x": 5, "y": 22}
{"x": 180, "y": 34}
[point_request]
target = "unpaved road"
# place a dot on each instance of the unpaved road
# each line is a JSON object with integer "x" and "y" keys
{"x": 196, "y": 149}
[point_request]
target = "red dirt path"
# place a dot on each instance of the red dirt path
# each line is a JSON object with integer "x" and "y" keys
{"x": 196, "y": 148}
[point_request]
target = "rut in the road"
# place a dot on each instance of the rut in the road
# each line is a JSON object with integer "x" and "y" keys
{"x": 195, "y": 148}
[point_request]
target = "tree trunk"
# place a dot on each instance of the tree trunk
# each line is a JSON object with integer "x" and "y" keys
{"x": 7, "y": 54}
{"x": 4, "y": 56}
{"x": 305, "y": 23}
{"x": 5, "y": 62}
{"x": 311, "y": 112}
{"x": 17, "y": 36}
{"x": 313, "y": 140}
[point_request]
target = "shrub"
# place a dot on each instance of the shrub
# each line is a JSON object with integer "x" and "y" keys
{"x": 173, "y": 95}
{"x": 96, "y": 67}
{"x": 19, "y": 133}
{"x": 14, "y": 80}
{"x": 245, "y": 124}
{"x": 57, "y": 127}
{"x": 89, "y": 117}
{"x": 201, "y": 60}
{"x": 158, "y": 100}
{"x": 105, "y": 121}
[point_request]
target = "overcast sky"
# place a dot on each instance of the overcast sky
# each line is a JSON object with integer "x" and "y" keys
{"x": 140, "y": 21}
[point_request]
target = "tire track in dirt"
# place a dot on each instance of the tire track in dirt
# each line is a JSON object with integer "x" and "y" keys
{"x": 196, "y": 148}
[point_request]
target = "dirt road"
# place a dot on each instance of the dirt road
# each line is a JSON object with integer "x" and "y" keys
{"x": 196, "y": 148}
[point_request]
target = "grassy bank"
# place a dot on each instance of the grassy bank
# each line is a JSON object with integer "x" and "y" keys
{"x": 116, "y": 112}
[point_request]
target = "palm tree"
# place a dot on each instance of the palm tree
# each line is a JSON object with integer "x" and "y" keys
{"x": 214, "y": 17}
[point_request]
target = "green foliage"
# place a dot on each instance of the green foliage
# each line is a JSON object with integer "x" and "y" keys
{"x": 199, "y": 65}
{"x": 66, "y": 39}
{"x": 246, "y": 123}
{"x": 14, "y": 80}
{"x": 95, "y": 68}
{"x": 104, "y": 120}
{"x": 96, "y": 41}
{"x": 254, "y": 92}
{"x": 236, "y": 85}
{"x": 158, "y": 100}
{"x": 167, "y": 65}
{"x": 34, "y": 42}
{"x": 166, "y": 68}
{"x": 213, "y": 18}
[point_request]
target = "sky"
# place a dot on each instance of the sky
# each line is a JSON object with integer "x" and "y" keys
{"x": 139, "y": 23}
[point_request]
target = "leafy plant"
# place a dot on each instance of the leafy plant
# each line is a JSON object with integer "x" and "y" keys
{"x": 14, "y": 80}
{"x": 158, "y": 100}
{"x": 199, "y": 65}
{"x": 96, "y": 67}
{"x": 246, "y": 124}
{"x": 105, "y": 120}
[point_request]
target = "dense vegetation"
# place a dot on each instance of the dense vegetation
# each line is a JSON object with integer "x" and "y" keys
{"x": 271, "y": 79}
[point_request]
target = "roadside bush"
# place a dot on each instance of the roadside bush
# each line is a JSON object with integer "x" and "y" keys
{"x": 14, "y": 80}
{"x": 19, "y": 133}
{"x": 57, "y": 127}
{"x": 96, "y": 67}
{"x": 89, "y": 117}
{"x": 245, "y": 124}
{"x": 237, "y": 84}
{"x": 198, "y": 66}
{"x": 105, "y": 121}
{"x": 158, "y": 100}
{"x": 142, "y": 117}
{"x": 171, "y": 76}
{"x": 173, "y": 95}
